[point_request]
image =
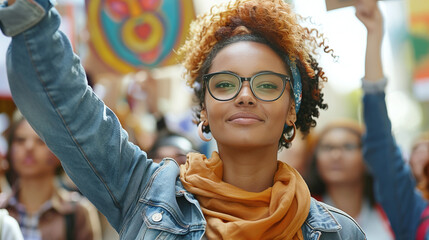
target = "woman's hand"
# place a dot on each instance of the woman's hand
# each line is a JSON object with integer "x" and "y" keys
{"x": 369, "y": 14}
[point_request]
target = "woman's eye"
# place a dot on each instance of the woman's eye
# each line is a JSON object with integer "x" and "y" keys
{"x": 19, "y": 140}
{"x": 224, "y": 85}
{"x": 267, "y": 86}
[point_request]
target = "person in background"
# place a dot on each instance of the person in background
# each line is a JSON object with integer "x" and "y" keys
{"x": 419, "y": 157}
{"x": 423, "y": 186}
{"x": 134, "y": 99}
{"x": 171, "y": 145}
{"x": 298, "y": 155}
{"x": 43, "y": 210}
{"x": 252, "y": 67}
{"x": 338, "y": 176}
{"x": 419, "y": 163}
{"x": 396, "y": 191}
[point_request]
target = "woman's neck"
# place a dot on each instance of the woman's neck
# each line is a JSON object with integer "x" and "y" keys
{"x": 252, "y": 170}
{"x": 34, "y": 192}
{"x": 347, "y": 197}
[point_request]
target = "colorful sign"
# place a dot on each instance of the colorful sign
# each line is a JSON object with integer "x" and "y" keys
{"x": 130, "y": 35}
{"x": 334, "y": 4}
{"x": 419, "y": 36}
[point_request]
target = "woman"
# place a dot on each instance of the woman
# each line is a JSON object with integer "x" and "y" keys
{"x": 298, "y": 155}
{"x": 172, "y": 145}
{"x": 255, "y": 79}
{"x": 423, "y": 186}
{"x": 419, "y": 163}
{"x": 339, "y": 177}
{"x": 419, "y": 157}
{"x": 43, "y": 210}
{"x": 396, "y": 188}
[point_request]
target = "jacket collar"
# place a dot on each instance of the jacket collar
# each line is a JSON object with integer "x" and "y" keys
{"x": 320, "y": 218}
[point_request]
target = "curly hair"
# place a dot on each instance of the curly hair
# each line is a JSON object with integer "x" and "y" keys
{"x": 273, "y": 21}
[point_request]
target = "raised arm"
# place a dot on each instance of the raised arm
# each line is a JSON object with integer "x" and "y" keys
{"x": 49, "y": 86}
{"x": 395, "y": 187}
{"x": 369, "y": 14}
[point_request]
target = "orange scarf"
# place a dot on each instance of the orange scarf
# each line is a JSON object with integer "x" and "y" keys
{"x": 232, "y": 213}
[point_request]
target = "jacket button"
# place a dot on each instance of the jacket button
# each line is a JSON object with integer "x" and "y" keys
{"x": 157, "y": 217}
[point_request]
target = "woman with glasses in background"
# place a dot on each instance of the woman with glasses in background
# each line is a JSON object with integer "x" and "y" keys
{"x": 251, "y": 65}
{"x": 338, "y": 176}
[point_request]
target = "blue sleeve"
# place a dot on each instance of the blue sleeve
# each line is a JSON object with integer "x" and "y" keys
{"x": 394, "y": 183}
{"x": 49, "y": 86}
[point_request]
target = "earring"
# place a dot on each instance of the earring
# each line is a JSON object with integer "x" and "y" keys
{"x": 290, "y": 139}
{"x": 200, "y": 132}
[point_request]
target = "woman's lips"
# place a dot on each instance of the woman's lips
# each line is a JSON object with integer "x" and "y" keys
{"x": 29, "y": 160}
{"x": 244, "y": 118}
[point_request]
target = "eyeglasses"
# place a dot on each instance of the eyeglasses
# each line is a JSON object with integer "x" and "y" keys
{"x": 345, "y": 148}
{"x": 266, "y": 86}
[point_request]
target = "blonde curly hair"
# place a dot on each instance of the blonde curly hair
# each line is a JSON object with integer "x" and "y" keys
{"x": 275, "y": 22}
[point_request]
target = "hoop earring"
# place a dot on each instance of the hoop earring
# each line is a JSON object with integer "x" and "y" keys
{"x": 288, "y": 140}
{"x": 200, "y": 132}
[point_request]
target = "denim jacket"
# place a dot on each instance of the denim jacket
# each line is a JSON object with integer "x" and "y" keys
{"x": 395, "y": 186}
{"x": 141, "y": 199}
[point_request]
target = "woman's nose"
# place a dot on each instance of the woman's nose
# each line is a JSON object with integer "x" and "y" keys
{"x": 245, "y": 96}
{"x": 29, "y": 144}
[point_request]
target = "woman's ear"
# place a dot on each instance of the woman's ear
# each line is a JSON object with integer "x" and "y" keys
{"x": 291, "y": 115}
{"x": 203, "y": 117}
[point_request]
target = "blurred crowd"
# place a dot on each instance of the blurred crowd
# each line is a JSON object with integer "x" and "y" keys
{"x": 37, "y": 192}
{"x": 43, "y": 200}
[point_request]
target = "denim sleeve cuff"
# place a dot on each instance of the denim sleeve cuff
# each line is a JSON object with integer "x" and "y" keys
{"x": 374, "y": 87}
{"x": 20, "y": 16}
